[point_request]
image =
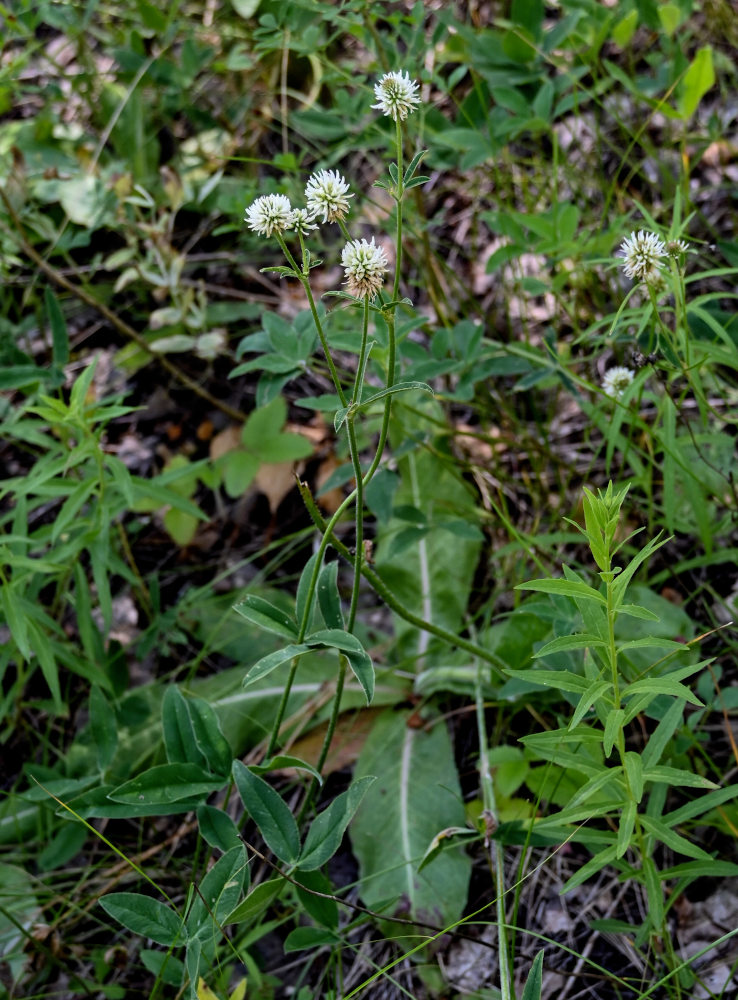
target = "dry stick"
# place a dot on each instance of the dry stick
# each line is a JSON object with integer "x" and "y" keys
{"x": 120, "y": 325}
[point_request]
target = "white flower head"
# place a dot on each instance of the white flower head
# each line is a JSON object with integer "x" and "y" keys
{"x": 365, "y": 266}
{"x": 327, "y": 194}
{"x": 268, "y": 214}
{"x": 395, "y": 94}
{"x": 302, "y": 221}
{"x": 642, "y": 255}
{"x": 616, "y": 381}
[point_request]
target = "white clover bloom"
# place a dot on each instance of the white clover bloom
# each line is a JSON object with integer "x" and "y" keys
{"x": 302, "y": 221}
{"x": 396, "y": 95}
{"x": 326, "y": 193}
{"x": 365, "y": 266}
{"x": 270, "y": 213}
{"x": 616, "y": 381}
{"x": 641, "y": 256}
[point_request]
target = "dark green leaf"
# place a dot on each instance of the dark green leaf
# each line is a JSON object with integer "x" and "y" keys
{"x": 166, "y": 783}
{"x": 260, "y": 612}
{"x": 145, "y": 916}
{"x": 217, "y": 828}
{"x": 219, "y": 893}
{"x": 270, "y": 813}
{"x": 273, "y": 660}
{"x": 327, "y": 829}
{"x": 328, "y": 596}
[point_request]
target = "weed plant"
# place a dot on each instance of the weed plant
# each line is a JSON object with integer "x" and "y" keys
{"x": 489, "y": 665}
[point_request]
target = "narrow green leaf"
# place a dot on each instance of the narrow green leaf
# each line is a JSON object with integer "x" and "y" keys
{"x": 397, "y": 387}
{"x": 634, "y": 771}
{"x": 661, "y": 735}
{"x": 636, "y": 611}
{"x": 179, "y": 735}
{"x": 270, "y": 813}
{"x": 145, "y": 916}
{"x": 613, "y": 725}
{"x": 568, "y": 588}
{"x": 104, "y": 727}
{"x": 359, "y": 660}
{"x": 209, "y": 737}
{"x": 413, "y": 165}
{"x": 590, "y": 868}
{"x": 59, "y": 334}
{"x": 661, "y": 685}
{"x": 533, "y": 984}
{"x": 303, "y": 591}
{"x": 660, "y": 829}
{"x": 590, "y": 697}
{"x": 273, "y": 660}
{"x": 328, "y": 596}
{"x": 676, "y": 777}
{"x": 561, "y": 679}
{"x": 327, "y": 829}
{"x": 566, "y": 642}
{"x": 304, "y": 938}
{"x": 259, "y": 611}
{"x": 698, "y": 807}
{"x": 283, "y": 762}
{"x": 654, "y": 892}
{"x": 625, "y": 828}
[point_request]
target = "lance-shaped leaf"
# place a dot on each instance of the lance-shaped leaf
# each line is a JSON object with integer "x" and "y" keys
{"x": 145, "y": 916}
{"x": 273, "y": 660}
{"x": 326, "y": 832}
{"x": 259, "y": 611}
{"x": 270, "y": 813}
{"x": 167, "y": 783}
{"x": 359, "y": 660}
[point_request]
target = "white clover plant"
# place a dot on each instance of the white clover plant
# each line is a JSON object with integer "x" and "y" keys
{"x": 328, "y": 200}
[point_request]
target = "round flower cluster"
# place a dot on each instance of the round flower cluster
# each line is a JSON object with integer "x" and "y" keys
{"x": 642, "y": 255}
{"x": 327, "y": 193}
{"x": 270, "y": 213}
{"x": 365, "y": 266}
{"x": 616, "y": 381}
{"x": 395, "y": 94}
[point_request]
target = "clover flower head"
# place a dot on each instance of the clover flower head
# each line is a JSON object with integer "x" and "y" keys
{"x": 675, "y": 248}
{"x": 365, "y": 266}
{"x": 302, "y": 221}
{"x": 395, "y": 94}
{"x": 327, "y": 194}
{"x": 616, "y": 381}
{"x": 268, "y": 214}
{"x": 642, "y": 255}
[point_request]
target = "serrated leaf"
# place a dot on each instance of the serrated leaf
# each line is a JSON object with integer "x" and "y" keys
{"x": 145, "y": 916}
{"x": 270, "y": 813}
{"x": 327, "y": 829}
{"x": 259, "y": 611}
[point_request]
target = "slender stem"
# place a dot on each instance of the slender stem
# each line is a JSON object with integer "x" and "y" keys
{"x": 304, "y": 281}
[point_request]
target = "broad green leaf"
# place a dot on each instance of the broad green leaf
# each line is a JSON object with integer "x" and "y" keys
{"x": 264, "y": 423}
{"x": 256, "y": 902}
{"x": 209, "y": 737}
{"x": 180, "y": 526}
{"x": 145, "y": 916}
{"x": 323, "y": 910}
{"x": 568, "y": 588}
{"x": 327, "y": 829}
{"x": 273, "y": 660}
{"x": 219, "y": 893}
{"x": 270, "y": 813}
{"x": 166, "y": 783}
{"x": 416, "y": 794}
{"x": 258, "y": 611}
{"x": 304, "y": 938}
{"x": 239, "y": 469}
{"x": 217, "y": 828}
{"x": 699, "y": 78}
{"x": 179, "y": 734}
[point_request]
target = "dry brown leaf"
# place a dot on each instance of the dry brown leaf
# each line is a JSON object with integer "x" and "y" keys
{"x": 227, "y": 440}
{"x": 275, "y": 481}
{"x": 351, "y": 732}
